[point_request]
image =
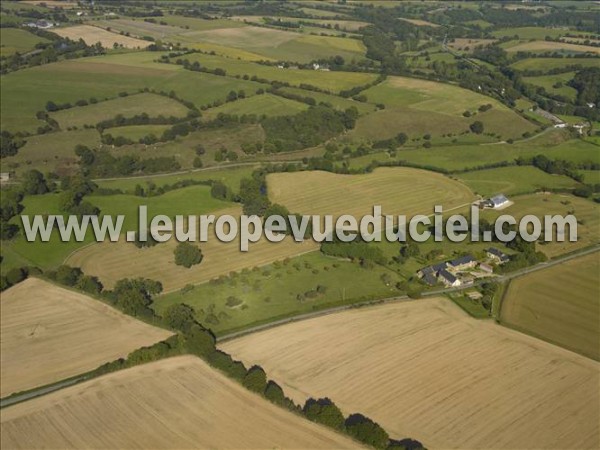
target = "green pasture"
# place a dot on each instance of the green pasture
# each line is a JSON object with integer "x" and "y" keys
{"x": 137, "y": 132}
{"x": 549, "y": 81}
{"x": 266, "y": 104}
{"x": 331, "y": 81}
{"x": 16, "y": 40}
{"x": 334, "y": 100}
{"x": 554, "y": 63}
{"x": 271, "y": 292}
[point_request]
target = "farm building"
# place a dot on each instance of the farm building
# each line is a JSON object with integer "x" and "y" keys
{"x": 486, "y": 268}
{"x": 496, "y": 202}
{"x": 497, "y": 255}
{"x": 448, "y": 279}
{"x": 465, "y": 262}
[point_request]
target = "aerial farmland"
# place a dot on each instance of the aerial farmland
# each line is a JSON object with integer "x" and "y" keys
{"x": 192, "y": 251}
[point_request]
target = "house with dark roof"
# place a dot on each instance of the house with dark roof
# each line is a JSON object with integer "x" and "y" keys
{"x": 497, "y": 255}
{"x": 430, "y": 279}
{"x": 448, "y": 279}
{"x": 496, "y": 201}
{"x": 464, "y": 262}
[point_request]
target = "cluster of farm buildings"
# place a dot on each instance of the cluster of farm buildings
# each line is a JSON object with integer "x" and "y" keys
{"x": 462, "y": 271}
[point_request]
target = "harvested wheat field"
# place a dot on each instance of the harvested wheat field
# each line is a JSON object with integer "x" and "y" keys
{"x": 559, "y": 304}
{"x": 92, "y": 35}
{"x": 174, "y": 403}
{"x": 398, "y": 190}
{"x": 425, "y": 369}
{"x": 112, "y": 261}
{"x": 49, "y": 333}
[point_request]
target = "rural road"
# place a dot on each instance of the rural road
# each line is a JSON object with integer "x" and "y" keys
{"x": 8, "y": 401}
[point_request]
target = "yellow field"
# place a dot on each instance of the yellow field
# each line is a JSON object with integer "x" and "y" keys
{"x": 49, "y": 333}
{"x": 419, "y": 22}
{"x": 113, "y": 261}
{"x": 174, "y": 403}
{"x": 398, "y": 190}
{"x": 91, "y": 35}
{"x": 470, "y": 44}
{"x": 426, "y": 370}
{"x": 551, "y": 46}
{"x": 559, "y": 304}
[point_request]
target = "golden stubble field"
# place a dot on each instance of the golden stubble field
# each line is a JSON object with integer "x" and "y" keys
{"x": 399, "y": 190}
{"x": 560, "y": 304}
{"x": 175, "y": 403}
{"x": 91, "y": 35}
{"x": 424, "y": 369}
{"x": 49, "y": 333}
{"x": 112, "y": 261}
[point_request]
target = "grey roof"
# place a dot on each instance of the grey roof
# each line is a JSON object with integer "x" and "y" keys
{"x": 439, "y": 266}
{"x": 430, "y": 279}
{"x": 447, "y": 276}
{"x": 462, "y": 260}
{"x": 499, "y": 253}
{"x": 499, "y": 199}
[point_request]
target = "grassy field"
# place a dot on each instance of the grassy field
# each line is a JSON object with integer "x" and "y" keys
{"x": 334, "y": 100}
{"x": 137, "y": 132}
{"x": 530, "y": 32}
{"x": 190, "y": 200}
{"x": 545, "y": 46}
{"x": 513, "y": 180}
{"x": 113, "y": 261}
{"x": 266, "y": 104}
{"x": 50, "y": 333}
{"x": 397, "y": 190}
{"x": 183, "y": 149}
{"x": 586, "y": 211}
{"x": 549, "y": 81}
{"x": 178, "y": 402}
{"x": 52, "y": 152}
{"x": 554, "y": 63}
{"x": 25, "y": 92}
{"x": 152, "y": 104}
{"x": 418, "y": 107}
{"x": 92, "y": 35}
{"x": 459, "y": 157}
{"x": 229, "y": 176}
{"x": 15, "y": 40}
{"x": 273, "y": 292}
{"x": 425, "y": 369}
{"x": 332, "y": 81}
{"x": 559, "y": 304}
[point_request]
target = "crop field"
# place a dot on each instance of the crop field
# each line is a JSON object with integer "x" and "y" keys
{"x": 425, "y": 369}
{"x": 398, "y": 190}
{"x": 421, "y": 23}
{"x": 549, "y": 81}
{"x": 266, "y": 104}
{"x": 514, "y": 180}
{"x": 464, "y": 44}
{"x": 544, "y": 46}
{"x": 52, "y": 151}
{"x": 559, "y": 304}
{"x": 331, "y": 81}
{"x": 15, "y": 40}
{"x": 279, "y": 290}
{"x": 418, "y": 106}
{"x": 50, "y": 333}
{"x": 586, "y": 211}
{"x": 152, "y": 104}
{"x": 111, "y": 261}
{"x": 26, "y": 92}
{"x": 178, "y": 402}
{"x": 92, "y": 35}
